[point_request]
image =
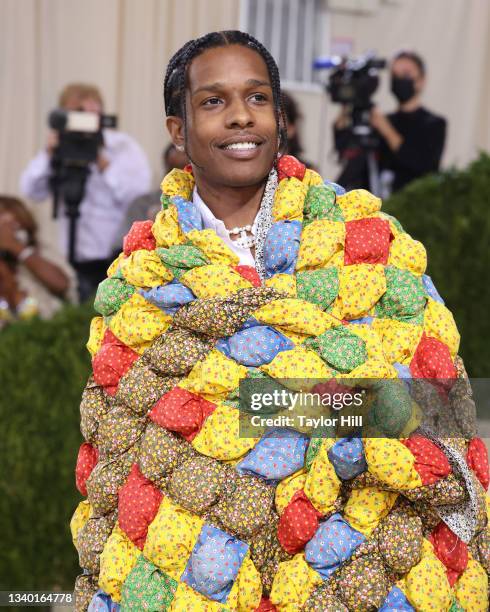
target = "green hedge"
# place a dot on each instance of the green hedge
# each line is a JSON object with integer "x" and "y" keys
{"x": 43, "y": 368}
{"x": 450, "y": 214}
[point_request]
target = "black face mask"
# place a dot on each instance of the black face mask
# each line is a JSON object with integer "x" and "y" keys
{"x": 402, "y": 88}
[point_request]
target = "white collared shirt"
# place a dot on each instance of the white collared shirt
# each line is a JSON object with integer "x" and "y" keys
{"x": 211, "y": 222}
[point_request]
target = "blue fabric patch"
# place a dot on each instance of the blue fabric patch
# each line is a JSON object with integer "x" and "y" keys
{"x": 278, "y": 454}
{"x": 101, "y": 602}
{"x": 255, "y": 345}
{"x": 347, "y": 458}
{"x": 333, "y": 543}
{"x": 281, "y": 247}
{"x": 339, "y": 190}
{"x": 396, "y": 600}
{"x": 403, "y": 373}
{"x": 188, "y": 214}
{"x": 362, "y": 321}
{"x": 170, "y": 297}
{"x": 430, "y": 289}
{"x": 214, "y": 563}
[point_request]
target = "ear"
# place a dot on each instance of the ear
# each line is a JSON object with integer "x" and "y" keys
{"x": 175, "y": 127}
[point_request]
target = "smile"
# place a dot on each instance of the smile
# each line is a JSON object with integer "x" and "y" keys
{"x": 241, "y": 146}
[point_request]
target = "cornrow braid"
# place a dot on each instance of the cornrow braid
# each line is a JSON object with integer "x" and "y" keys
{"x": 176, "y": 75}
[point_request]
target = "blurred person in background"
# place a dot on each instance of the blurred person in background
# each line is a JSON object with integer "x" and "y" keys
{"x": 146, "y": 206}
{"x": 293, "y": 119}
{"x": 34, "y": 278}
{"x": 120, "y": 174}
{"x": 412, "y": 138}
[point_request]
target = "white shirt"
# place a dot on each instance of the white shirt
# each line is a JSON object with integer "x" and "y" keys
{"x": 108, "y": 194}
{"x": 211, "y": 222}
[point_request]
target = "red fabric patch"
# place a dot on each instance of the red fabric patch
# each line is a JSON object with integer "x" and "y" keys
{"x": 430, "y": 462}
{"x": 139, "y": 500}
{"x": 288, "y": 167}
{"x": 86, "y": 461}
{"x": 250, "y": 274}
{"x": 266, "y": 606}
{"x": 188, "y": 168}
{"x": 432, "y": 360}
{"x": 477, "y": 460}
{"x": 452, "y": 551}
{"x": 139, "y": 237}
{"x": 367, "y": 241}
{"x": 111, "y": 362}
{"x": 182, "y": 412}
{"x": 298, "y": 523}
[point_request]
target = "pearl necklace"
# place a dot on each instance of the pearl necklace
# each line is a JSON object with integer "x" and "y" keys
{"x": 244, "y": 241}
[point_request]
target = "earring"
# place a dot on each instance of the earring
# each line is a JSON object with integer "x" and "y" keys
{"x": 179, "y": 147}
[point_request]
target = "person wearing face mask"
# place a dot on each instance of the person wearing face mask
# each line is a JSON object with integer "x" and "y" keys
{"x": 412, "y": 138}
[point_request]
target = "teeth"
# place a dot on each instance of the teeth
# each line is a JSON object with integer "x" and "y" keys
{"x": 242, "y": 145}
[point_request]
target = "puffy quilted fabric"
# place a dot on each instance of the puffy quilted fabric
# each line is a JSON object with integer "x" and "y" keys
{"x": 188, "y": 510}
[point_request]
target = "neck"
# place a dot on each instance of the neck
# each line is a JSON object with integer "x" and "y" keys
{"x": 411, "y": 105}
{"x": 235, "y": 206}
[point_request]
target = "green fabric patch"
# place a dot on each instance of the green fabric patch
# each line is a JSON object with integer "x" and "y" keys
{"x": 391, "y": 408}
{"x": 312, "y": 451}
{"x": 340, "y": 348}
{"x": 182, "y": 257}
{"x": 456, "y": 606}
{"x": 404, "y": 297}
{"x": 111, "y": 295}
{"x": 320, "y": 287}
{"x": 166, "y": 201}
{"x": 147, "y": 588}
{"x": 320, "y": 204}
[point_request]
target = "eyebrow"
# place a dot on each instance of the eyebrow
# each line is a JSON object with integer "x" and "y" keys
{"x": 220, "y": 86}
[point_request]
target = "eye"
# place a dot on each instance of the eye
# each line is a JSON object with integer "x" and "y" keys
{"x": 212, "y": 101}
{"x": 259, "y": 97}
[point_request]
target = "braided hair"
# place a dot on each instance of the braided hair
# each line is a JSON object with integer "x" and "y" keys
{"x": 176, "y": 76}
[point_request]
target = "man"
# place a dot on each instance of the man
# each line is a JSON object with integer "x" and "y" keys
{"x": 120, "y": 174}
{"x": 412, "y": 137}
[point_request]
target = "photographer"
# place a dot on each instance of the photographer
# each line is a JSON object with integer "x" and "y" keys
{"x": 34, "y": 279}
{"x": 120, "y": 173}
{"x": 412, "y": 138}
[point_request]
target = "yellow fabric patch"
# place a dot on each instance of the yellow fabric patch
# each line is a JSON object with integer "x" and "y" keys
{"x": 178, "y": 183}
{"x": 145, "y": 269}
{"x": 166, "y": 228}
{"x": 439, "y": 323}
{"x": 188, "y": 600}
{"x": 246, "y": 592}
{"x": 118, "y": 558}
{"x": 298, "y": 363}
{"x": 399, "y": 339}
{"x": 288, "y": 200}
{"x": 408, "y": 254}
{"x": 113, "y": 268}
{"x": 472, "y": 587}
{"x": 392, "y": 463}
{"x": 366, "y": 507}
{"x": 287, "y": 488}
{"x": 219, "y": 437}
{"x": 413, "y": 422}
{"x": 312, "y": 178}
{"x": 320, "y": 241}
{"x": 79, "y": 518}
{"x": 426, "y": 585}
{"x": 372, "y": 368}
{"x": 393, "y": 228}
{"x": 214, "y": 280}
{"x": 293, "y": 584}
{"x": 137, "y": 323}
{"x": 213, "y": 247}
{"x": 283, "y": 282}
{"x": 322, "y": 484}
{"x": 293, "y": 336}
{"x": 97, "y": 331}
{"x": 298, "y": 316}
{"x": 357, "y": 204}
{"x": 374, "y": 346}
{"x": 214, "y": 377}
{"x": 171, "y": 538}
{"x": 360, "y": 287}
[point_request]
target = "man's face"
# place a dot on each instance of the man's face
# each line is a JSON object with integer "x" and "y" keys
{"x": 232, "y": 135}
{"x": 404, "y": 68}
{"x": 90, "y": 105}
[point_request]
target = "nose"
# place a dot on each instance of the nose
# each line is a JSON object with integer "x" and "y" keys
{"x": 239, "y": 114}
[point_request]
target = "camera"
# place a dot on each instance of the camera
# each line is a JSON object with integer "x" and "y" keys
{"x": 80, "y": 135}
{"x": 353, "y": 83}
